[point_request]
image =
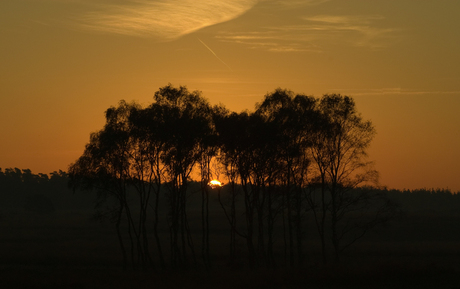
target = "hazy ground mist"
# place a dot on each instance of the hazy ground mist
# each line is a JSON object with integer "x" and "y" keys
{"x": 67, "y": 249}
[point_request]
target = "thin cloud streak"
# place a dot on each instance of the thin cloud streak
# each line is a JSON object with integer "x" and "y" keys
{"x": 368, "y": 34}
{"x": 271, "y": 41}
{"x": 314, "y": 33}
{"x": 214, "y": 54}
{"x": 392, "y": 91}
{"x": 167, "y": 19}
{"x": 334, "y": 19}
{"x": 290, "y": 4}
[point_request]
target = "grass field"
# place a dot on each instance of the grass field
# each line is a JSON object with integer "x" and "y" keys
{"x": 67, "y": 250}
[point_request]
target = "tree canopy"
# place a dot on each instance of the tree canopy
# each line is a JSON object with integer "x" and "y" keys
{"x": 294, "y": 155}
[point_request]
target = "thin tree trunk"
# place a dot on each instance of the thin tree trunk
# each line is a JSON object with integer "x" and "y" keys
{"x": 155, "y": 230}
{"x": 120, "y": 237}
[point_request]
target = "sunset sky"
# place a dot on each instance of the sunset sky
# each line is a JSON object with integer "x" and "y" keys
{"x": 64, "y": 62}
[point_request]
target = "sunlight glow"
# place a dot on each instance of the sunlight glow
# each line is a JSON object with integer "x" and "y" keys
{"x": 215, "y": 184}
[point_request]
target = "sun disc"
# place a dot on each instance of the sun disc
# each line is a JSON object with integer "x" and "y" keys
{"x": 215, "y": 183}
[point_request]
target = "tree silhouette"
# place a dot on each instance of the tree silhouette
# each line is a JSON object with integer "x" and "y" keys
{"x": 228, "y": 126}
{"x": 149, "y": 130}
{"x": 112, "y": 163}
{"x": 293, "y": 119}
{"x": 294, "y": 156}
{"x": 339, "y": 152}
{"x": 189, "y": 121}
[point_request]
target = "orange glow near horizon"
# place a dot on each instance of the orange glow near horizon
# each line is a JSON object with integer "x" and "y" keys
{"x": 64, "y": 63}
{"x": 215, "y": 184}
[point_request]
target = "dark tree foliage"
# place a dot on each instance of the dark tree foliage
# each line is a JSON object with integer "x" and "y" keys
{"x": 145, "y": 149}
{"x": 188, "y": 137}
{"x": 294, "y": 159}
{"x": 108, "y": 165}
{"x": 339, "y": 153}
{"x": 290, "y": 121}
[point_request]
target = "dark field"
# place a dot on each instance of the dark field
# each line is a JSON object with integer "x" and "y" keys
{"x": 68, "y": 250}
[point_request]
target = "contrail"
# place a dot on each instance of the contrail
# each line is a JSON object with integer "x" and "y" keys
{"x": 214, "y": 54}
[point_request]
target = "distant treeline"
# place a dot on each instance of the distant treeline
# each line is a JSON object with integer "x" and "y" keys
{"x": 23, "y": 191}
{"x": 18, "y": 187}
{"x": 426, "y": 200}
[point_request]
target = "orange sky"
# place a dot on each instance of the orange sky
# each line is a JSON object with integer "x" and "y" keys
{"x": 64, "y": 62}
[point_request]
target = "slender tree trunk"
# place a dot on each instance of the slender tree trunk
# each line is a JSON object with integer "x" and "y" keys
{"x": 323, "y": 218}
{"x": 290, "y": 218}
{"x": 155, "y": 229}
{"x": 248, "y": 200}
{"x": 283, "y": 214}
{"x": 270, "y": 223}
{"x": 299, "y": 227}
{"x": 120, "y": 237}
{"x": 260, "y": 205}
{"x": 183, "y": 231}
{"x": 233, "y": 224}
{"x": 174, "y": 226}
{"x": 205, "y": 177}
{"x": 130, "y": 228}
{"x": 334, "y": 220}
{"x": 145, "y": 233}
{"x": 204, "y": 244}
{"x": 207, "y": 227}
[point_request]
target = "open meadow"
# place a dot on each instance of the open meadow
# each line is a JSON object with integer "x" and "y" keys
{"x": 67, "y": 249}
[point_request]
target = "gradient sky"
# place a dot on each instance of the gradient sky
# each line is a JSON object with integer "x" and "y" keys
{"x": 64, "y": 62}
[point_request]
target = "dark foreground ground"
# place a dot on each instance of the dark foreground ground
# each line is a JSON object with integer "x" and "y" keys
{"x": 67, "y": 250}
{"x": 389, "y": 276}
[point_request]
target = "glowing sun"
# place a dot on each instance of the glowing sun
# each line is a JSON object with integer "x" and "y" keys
{"x": 215, "y": 184}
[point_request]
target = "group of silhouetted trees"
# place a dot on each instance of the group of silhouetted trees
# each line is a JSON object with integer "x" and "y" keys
{"x": 294, "y": 161}
{"x": 294, "y": 157}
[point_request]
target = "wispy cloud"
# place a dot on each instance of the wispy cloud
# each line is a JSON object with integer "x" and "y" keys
{"x": 296, "y": 3}
{"x": 315, "y": 33}
{"x": 168, "y": 19}
{"x": 394, "y": 91}
{"x": 360, "y": 30}
{"x": 270, "y": 40}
